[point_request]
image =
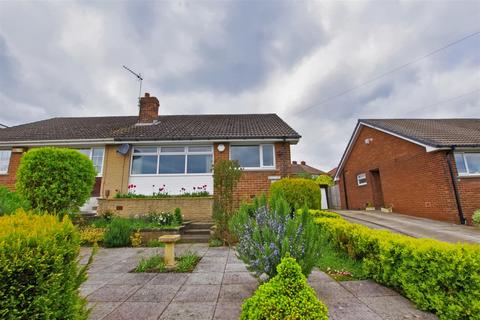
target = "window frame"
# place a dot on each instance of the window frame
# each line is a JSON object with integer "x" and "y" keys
{"x": 361, "y": 178}
{"x": 9, "y": 160}
{"x": 90, "y": 156}
{"x": 465, "y": 163}
{"x": 186, "y": 152}
{"x": 260, "y": 145}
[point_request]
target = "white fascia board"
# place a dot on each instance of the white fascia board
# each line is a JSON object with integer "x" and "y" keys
{"x": 136, "y": 142}
{"x": 347, "y": 151}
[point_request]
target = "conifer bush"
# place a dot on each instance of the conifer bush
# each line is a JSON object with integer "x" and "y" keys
{"x": 39, "y": 275}
{"x": 285, "y": 296}
{"x": 298, "y": 192}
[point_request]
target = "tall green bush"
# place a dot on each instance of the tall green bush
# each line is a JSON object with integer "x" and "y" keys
{"x": 269, "y": 233}
{"x": 298, "y": 192}
{"x": 39, "y": 275}
{"x": 118, "y": 233}
{"x": 440, "y": 277}
{"x": 226, "y": 175}
{"x": 56, "y": 180}
{"x": 11, "y": 201}
{"x": 286, "y": 296}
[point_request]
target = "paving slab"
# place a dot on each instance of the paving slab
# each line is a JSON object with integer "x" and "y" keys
{"x": 101, "y": 309}
{"x": 169, "y": 279}
{"x": 209, "y": 267}
{"x": 133, "y": 279}
{"x": 395, "y": 308}
{"x": 367, "y": 288}
{"x": 227, "y": 311}
{"x": 155, "y": 293}
{"x": 236, "y": 267}
{"x": 186, "y": 311}
{"x": 205, "y": 278}
{"x": 112, "y": 293}
{"x": 236, "y": 292}
{"x": 197, "y": 293}
{"x": 239, "y": 278}
{"x": 350, "y": 309}
{"x": 137, "y": 311}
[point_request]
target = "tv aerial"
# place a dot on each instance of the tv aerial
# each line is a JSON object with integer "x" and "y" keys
{"x": 139, "y": 78}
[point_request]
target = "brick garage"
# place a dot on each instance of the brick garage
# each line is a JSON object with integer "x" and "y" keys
{"x": 407, "y": 171}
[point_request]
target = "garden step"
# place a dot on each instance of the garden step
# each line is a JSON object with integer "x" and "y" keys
{"x": 189, "y": 238}
{"x": 199, "y": 225}
{"x": 197, "y": 231}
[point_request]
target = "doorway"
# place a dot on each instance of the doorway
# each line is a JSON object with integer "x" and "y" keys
{"x": 377, "y": 189}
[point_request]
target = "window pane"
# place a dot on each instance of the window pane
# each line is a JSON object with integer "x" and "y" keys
{"x": 362, "y": 179}
{"x": 85, "y": 152}
{"x": 4, "y": 160}
{"x": 247, "y": 156}
{"x": 144, "y": 165}
{"x": 145, "y": 149}
{"x": 200, "y": 149}
{"x": 268, "y": 155}
{"x": 199, "y": 163}
{"x": 172, "y": 164}
{"x": 172, "y": 149}
{"x": 460, "y": 163}
{"x": 473, "y": 162}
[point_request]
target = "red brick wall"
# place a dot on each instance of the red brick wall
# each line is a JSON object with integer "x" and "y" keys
{"x": 254, "y": 183}
{"x": 469, "y": 190}
{"x": 9, "y": 179}
{"x": 413, "y": 181}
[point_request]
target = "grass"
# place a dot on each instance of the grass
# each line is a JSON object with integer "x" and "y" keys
{"x": 185, "y": 263}
{"x": 338, "y": 264}
{"x": 155, "y": 243}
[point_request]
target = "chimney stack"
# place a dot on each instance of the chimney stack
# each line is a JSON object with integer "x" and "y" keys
{"x": 148, "y": 109}
{"x": 303, "y": 163}
{"x": 294, "y": 162}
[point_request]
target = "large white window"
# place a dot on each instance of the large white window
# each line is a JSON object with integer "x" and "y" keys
{"x": 4, "y": 160}
{"x": 468, "y": 163}
{"x": 96, "y": 155}
{"x": 254, "y": 156}
{"x": 362, "y": 179}
{"x": 172, "y": 160}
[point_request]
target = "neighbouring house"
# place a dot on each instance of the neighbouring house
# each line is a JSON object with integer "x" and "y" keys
{"x": 303, "y": 170}
{"x": 333, "y": 192}
{"x": 152, "y": 152}
{"x": 421, "y": 167}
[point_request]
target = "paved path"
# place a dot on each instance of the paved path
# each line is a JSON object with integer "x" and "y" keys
{"x": 216, "y": 289}
{"x": 413, "y": 226}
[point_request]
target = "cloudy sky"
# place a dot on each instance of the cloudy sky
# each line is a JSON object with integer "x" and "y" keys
{"x": 64, "y": 58}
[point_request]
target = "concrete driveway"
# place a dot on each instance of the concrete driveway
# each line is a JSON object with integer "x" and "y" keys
{"x": 413, "y": 226}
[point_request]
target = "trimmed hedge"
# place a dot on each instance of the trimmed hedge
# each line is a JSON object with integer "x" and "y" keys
{"x": 285, "y": 296}
{"x": 11, "y": 201}
{"x": 321, "y": 214}
{"x": 39, "y": 276}
{"x": 440, "y": 277}
{"x": 298, "y": 192}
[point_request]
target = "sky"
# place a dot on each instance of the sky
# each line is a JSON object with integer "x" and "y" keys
{"x": 293, "y": 58}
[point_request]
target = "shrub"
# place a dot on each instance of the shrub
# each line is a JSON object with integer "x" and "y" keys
{"x": 285, "y": 296}
{"x": 91, "y": 236}
{"x": 298, "y": 192}
{"x": 476, "y": 217}
{"x": 226, "y": 175}
{"x": 155, "y": 243}
{"x": 324, "y": 180}
{"x": 164, "y": 218}
{"x": 187, "y": 262}
{"x": 178, "y": 216}
{"x": 55, "y": 180}
{"x": 11, "y": 201}
{"x": 271, "y": 233}
{"x": 136, "y": 239}
{"x": 437, "y": 276}
{"x": 39, "y": 275}
{"x": 152, "y": 264}
{"x": 118, "y": 233}
{"x": 321, "y": 214}
{"x": 214, "y": 242}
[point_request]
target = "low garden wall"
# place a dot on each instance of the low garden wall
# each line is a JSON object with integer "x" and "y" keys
{"x": 194, "y": 209}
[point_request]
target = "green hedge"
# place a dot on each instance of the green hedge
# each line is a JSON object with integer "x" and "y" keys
{"x": 298, "y": 192}
{"x": 440, "y": 277}
{"x": 321, "y": 214}
{"x": 285, "y": 296}
{"x": 11, "y": 201}
{"x": 39, "y": 276}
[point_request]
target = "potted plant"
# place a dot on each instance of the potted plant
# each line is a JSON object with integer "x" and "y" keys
{"x": 369, "y": 206}
{"x": 388, "y": 208}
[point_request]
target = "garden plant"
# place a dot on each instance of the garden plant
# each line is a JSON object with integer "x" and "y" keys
{"x": 298, "y": 192}
{"x": 11, "y": 201}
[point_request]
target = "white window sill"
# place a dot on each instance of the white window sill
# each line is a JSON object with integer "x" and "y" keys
{"x": 260, "y": 169}
{"x": 173, "y": 175}
{"x": 468, "y": 176}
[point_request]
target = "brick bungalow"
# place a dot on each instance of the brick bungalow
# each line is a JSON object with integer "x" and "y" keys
{"x": 152, "y": 150}
{"x": 422, "y": 167}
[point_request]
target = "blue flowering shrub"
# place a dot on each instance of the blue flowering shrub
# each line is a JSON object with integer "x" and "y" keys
{"x": 267, "y": 233}
{"x": 285, "y": 296}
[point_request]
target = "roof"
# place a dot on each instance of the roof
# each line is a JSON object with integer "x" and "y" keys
{"x": 169, "y": 127}
{"x": 433, "y": 134}
{"x": 332, "y": 172}
{"x": 436, "y": 133}
{"x": 298, "y": 168}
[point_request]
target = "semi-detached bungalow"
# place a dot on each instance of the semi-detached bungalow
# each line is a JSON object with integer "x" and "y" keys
{"x": 173, "y": 153}
{"x": 422, "y": 167}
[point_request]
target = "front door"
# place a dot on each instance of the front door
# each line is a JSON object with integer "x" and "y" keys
{"x": 377, "y": 189}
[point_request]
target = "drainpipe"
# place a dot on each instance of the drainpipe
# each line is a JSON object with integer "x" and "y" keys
{"x": 455, "y": 187}
{"x": 345, "y": 190}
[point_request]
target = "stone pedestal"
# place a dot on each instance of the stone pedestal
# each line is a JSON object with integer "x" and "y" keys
{"x": 169, "y": 256}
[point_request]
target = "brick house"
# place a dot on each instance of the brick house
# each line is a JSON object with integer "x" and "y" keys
{"x": 152, "y": 150}
{"x": 303, "y": 170}
{"x": 422, "y": 167}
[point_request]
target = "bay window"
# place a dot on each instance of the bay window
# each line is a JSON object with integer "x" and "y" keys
{"x": 254, "y": 156}
{"x": 4, "y": 161}
{"x": 468, "y": 163}
{"x": 172, "y": 160}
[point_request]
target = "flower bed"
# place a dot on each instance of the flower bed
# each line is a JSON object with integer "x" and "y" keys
{"x": 185, "y": 263}
{"x": 437, "y": 276}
